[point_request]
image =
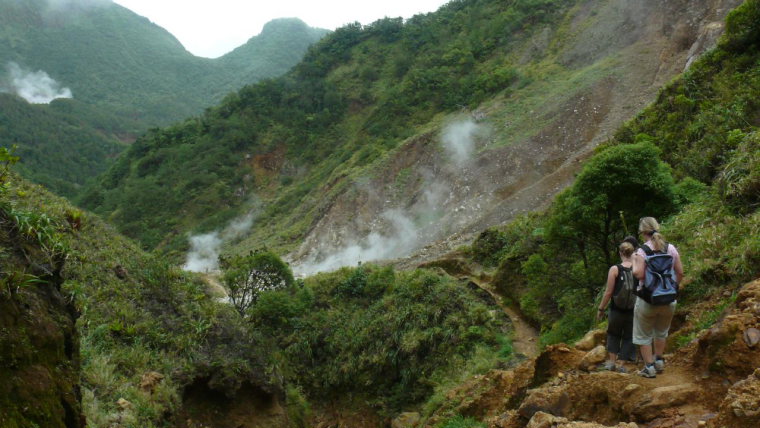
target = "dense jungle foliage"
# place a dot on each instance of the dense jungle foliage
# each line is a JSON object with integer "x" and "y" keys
{"x": 84, "y": 141}
{"x": 384, "y": 337}
{"x": 357, "y": 94}
{"x": 692, "y": 160}
{"x": 137, "y": 314}
{"x": 301, "y": 339}
{"x": 126, "y": 75}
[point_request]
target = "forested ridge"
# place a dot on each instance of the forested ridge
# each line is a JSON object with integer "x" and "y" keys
{"x": 126, "y": 75}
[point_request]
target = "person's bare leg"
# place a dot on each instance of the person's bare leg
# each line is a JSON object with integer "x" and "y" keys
{"x": 659, "y": 347}
{"x": 646, "y": 354}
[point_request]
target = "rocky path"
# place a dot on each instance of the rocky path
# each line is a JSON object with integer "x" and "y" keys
{"x": 712, "y": 382}
{"x": 525, "y": 337}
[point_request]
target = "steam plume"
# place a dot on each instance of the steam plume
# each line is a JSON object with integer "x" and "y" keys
{"x": 459, "y": 140}
{"x": 401, "y": 240}
{"x": 35, "y": 87}
{"x": 205, "y": 248}
{"x": 408, "y": 230}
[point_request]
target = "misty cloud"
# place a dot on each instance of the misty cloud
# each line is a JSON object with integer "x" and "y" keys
{"x": 75, "y": 4}
{"x": 205, "y": 248}
{"x": 36, "y": 87}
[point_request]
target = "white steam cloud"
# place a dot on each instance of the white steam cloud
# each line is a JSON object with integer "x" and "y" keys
{"x": 205, "y": 249}
{"x": 36, "y": 87}
{"x": 401, "y": 240}
{"x": 459, "y": 140}
{"x": 403, "y": 231}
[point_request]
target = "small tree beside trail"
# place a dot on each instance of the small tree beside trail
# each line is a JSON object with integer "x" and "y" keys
{"x": 246, "y": 277}
{"x": 627, "y": 181}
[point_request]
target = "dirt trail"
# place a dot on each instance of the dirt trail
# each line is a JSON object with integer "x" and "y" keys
{"x": 525, "y": 339}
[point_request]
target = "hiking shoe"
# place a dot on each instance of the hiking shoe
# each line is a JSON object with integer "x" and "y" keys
{"x": 659, "y": 365}
{"x": 648, "y": 371}
{"x": 621, "y": 369}
{"x": 607, "y": 365}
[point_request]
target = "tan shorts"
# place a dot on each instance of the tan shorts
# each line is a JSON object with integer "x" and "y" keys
{"x": 651, "y": 321}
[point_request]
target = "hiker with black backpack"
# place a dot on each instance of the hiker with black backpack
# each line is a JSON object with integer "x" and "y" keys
{"x": 657, "y": 265}
{"x": 620, "y": 294}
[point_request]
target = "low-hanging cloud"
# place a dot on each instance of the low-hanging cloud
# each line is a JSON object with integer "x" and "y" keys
{"x": 205, "y": 249}
{"x": 36, "y": 87}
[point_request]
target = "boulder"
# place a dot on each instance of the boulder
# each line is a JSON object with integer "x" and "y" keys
{"x": 591, "y": 340}
{"x": 593, "y": 358}
{"x": 653, "y": 404}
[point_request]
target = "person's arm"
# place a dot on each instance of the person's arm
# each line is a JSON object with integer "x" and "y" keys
{"x": 678, "y": 267}
{"x": 639, "y": 266}
{"x": 611, "y": 276}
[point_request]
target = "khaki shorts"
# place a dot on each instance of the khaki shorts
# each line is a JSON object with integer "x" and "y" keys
{"x": 651, "y": 321}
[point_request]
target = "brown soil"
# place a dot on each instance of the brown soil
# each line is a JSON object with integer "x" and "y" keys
{"x": 713, "y": 382}
{"x": 250, "y": 407}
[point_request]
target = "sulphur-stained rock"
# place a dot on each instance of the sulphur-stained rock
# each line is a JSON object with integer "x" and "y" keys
{"x": 741, "y": 406}
{"x": 150, "y": 381}
{"x": 665, "y": 397}
{"x": 591, "y": 340}
{"x": 593, "y": 358}
{"x": 124, "y": 405}
{"x": 406, "y": 420}
{"x": 751, "y": 337}
{"x": 545, "y": 420}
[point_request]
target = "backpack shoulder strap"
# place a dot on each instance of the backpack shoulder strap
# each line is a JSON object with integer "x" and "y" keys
{"x": 647, "y": 250}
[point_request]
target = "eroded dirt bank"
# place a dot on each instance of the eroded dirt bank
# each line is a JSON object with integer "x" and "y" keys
{"x": 712, "y": 382}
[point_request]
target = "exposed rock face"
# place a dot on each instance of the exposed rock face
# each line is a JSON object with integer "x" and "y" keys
{"x": 729, "y": 349}
{"x": 741, "y": 407}
{"x": 39, "y": 343}
{"x": 39, "y": 360}
{"x": 546, "y": 420}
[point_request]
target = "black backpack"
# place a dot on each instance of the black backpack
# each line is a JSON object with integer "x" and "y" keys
{"x": 624, "y": 295}
{"x": 659, "y": 286}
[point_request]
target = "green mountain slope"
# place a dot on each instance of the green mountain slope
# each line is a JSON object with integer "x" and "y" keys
{"x": 61, "y": 144}
{"x": 706, "y": 126}
{"x": 125, "y": 74}
{"x": 349, "y": 144}
{"x": 127, "y": 65}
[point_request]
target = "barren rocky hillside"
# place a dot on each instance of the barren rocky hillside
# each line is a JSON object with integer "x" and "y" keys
{"x": 610, "y": 59}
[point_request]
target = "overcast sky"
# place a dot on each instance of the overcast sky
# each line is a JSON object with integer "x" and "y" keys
{"x": 211, "y": 28}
